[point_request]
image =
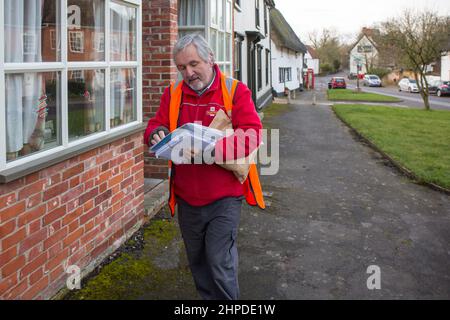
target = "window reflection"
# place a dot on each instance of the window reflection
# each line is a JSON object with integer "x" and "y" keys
{"x": 123, "y": 32}
{"x": 86, "y": 96}
{"x": 86, "y": 30}
{"x": 123, "y": 96}
{"x": 33, "y": 106}
{"x": 31, "y": 31}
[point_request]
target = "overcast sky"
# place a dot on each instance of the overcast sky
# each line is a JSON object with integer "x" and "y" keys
{"x": 347, "y": 16}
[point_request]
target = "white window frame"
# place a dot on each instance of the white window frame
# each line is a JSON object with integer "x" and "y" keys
{"x": 29, "y": 43}
{"x": 285, "y": 74}
{"x": 76, "y": 41}
{"x": 76, "y": 74}
{"x": 115, "y": 43}
{"x": 99, "y": 37}
{"x": 64, "y": 66}
{"x": 226, "y": 65}
{"x": 53, "y": 42}
{"x": 200, "y": 27}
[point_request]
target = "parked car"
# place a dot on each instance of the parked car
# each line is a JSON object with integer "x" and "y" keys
{"x": 372, "y": 80}
{"x": 439, "y": 87}
{"x": 352, "y": 76}
{"x": 337, "y": 82}
{"x": 407, "y": 84}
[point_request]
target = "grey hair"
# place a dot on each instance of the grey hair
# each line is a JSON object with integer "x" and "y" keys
{"x": 204, "y": 50}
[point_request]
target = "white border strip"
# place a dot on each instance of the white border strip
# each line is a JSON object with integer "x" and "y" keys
{"x": 62, "y": 67}
{"x": 2, "y": 89}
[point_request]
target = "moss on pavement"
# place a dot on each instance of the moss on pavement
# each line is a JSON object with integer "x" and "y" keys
{"x": 159, "y": 270}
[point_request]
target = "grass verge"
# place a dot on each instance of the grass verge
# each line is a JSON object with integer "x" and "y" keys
{"x": 416, "y": 139}
{"x": 352, "y": 95}
{"x": 276, "y": 109}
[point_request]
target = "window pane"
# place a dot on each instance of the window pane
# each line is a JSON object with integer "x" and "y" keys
{"x": 86, "y": 30}
{"x": 221, "y": 67}
{"x": 86, "y": 96}
{"x": 213, "y": 40}
{"x": 123, "y": 32}
{"x": 214, "y": 12}
{"x": 123, "y": 96}
{"x": 191, "y": 12}
{"x": 228, "y": 16}
{"x": 257, "y": 13}
{"x": 228, "y": 47}
{"x": 32, "y": 31}
{"x": 33, "y": 104}
{"x": 259, "y": 67}
{"x": 228, "y": 70}
{"x": 221, "y": 46}
{"x": 220, "y": 18}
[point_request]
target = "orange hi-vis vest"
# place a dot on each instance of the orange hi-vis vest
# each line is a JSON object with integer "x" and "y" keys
{"x": 252, "y": 186}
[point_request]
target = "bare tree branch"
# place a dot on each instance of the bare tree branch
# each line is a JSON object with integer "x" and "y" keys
{"x": 419, "y": 38}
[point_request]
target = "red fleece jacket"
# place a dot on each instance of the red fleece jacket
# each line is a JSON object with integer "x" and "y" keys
{"x": 202, "y": 184}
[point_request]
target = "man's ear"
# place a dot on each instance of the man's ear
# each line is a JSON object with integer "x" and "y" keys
{"x": 211, "y": 59}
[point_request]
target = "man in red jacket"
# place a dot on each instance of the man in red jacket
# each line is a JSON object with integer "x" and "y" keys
{"x": 209, "y": 197}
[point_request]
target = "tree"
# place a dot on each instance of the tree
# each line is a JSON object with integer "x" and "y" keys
{"x": 336, "y": 64}
{"x": 418, "y": 38}
{"x": 328, "y": 48}
{"x": 345, "y": 55}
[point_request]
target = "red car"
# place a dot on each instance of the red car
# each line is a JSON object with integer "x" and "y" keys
{"x": 337, "y": 82}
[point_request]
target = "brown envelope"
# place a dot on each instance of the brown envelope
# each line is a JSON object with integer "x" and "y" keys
{"x": 239, "y": 167}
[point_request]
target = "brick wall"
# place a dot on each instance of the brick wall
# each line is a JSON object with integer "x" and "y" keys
{"x": 69, "y": 214}
{"x": 160, "y": 32}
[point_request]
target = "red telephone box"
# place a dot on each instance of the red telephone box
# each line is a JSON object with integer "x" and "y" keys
{"x": 309, "y": 79}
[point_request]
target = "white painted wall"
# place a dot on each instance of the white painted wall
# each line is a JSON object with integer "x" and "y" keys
{"x": 312, "y": 63}
{"x": 244, "y": 20}
{"x": 354, "y": 54}
{"x": 445, "y": 67}
{"x": 285, "y": 59}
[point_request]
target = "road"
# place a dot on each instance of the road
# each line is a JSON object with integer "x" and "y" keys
{"x": 412, "y": 100}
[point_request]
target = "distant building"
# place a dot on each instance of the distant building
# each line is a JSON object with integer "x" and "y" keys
{"x": 288, "y": 54}
{"x": 252, "y": 51}
{"x": 445, "y": 63}
{"x": 364, "y": 52}
{"x": 312, "y": 59}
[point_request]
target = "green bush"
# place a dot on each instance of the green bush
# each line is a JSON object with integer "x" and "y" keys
{"x": 76, "y": 88}
{"x": 325, "y": 68}
{"x": 336, "y": 65}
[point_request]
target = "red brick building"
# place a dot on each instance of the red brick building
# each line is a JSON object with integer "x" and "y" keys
{"x": 72, "y": 188}
{"x": 160, "y": 32}
{"x": 76, "y": 95}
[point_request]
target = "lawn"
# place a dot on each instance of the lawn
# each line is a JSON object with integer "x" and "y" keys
{"x": 417, "y": 139}
{"x": 352, "y": 95}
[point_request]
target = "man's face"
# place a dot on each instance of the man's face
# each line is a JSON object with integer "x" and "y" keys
{"x": 196, "y": 72}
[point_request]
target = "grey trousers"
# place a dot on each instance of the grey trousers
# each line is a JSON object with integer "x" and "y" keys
{"x": 209, "y": 233}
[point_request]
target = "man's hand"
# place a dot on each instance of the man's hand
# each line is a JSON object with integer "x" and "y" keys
{"x": 187, "y": 155}
{"x": 190, "y": 154}
{"x": 158, "y": 135}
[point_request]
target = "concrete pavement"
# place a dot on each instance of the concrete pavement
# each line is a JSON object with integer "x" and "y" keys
{"x": 335, "y": 208}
